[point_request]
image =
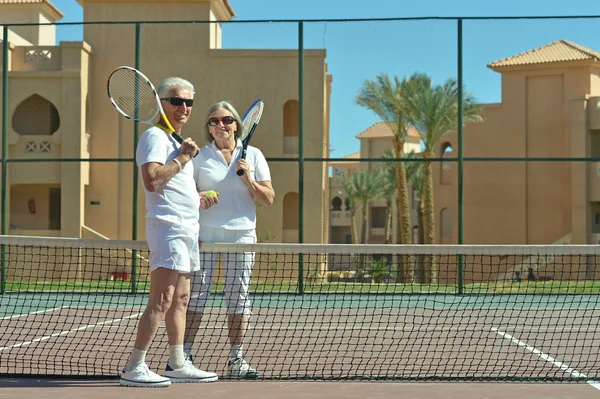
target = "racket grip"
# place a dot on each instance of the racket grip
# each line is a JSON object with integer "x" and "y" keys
{"x": 177, "y": 137}
{"x": 240, "y": 172}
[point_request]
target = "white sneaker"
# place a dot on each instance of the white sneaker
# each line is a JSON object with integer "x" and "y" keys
{"x": 189, "y": 373}
{"x": 142, "y": 377}
{"x": 239, "y": 368}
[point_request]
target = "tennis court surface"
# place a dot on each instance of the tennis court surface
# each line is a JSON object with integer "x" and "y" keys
{"x": 330, "y": 313}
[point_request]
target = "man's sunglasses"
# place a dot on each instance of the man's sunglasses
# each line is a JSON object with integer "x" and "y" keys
{"x": 227, "y": 120}
{"x": 178, "y": 101}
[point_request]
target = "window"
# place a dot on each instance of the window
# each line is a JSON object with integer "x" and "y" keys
{"x": 36, "y": 116}
{"x": 337, "y": 204}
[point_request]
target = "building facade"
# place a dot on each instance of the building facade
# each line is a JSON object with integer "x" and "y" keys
{"x": 58, "y": 108}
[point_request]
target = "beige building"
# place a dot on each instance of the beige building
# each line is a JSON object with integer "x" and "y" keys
{"x": 58, "y": 108}
{"x": 550, "y": 109}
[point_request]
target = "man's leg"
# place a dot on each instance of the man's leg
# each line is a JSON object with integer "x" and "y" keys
{"x": 192, "y": 325}
{"x": 162, "y": 288}
{"x": 179, "y": 368}
{"x": 175, "y": 320}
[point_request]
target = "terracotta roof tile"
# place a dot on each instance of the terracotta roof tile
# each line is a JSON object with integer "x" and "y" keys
{"x": 558, "y": 51}
{"x": 382, "y": 129}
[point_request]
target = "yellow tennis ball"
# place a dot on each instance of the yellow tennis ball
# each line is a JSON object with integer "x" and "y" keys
{"x": 211, "y": 193}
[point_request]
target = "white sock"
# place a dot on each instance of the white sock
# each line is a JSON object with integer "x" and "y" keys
{"x": 187, "y": 348}
{"x": 235, "y": 351}
{"x": 137, "y": 357}
{"x": 176, "y": 357}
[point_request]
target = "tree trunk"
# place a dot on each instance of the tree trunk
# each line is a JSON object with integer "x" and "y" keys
{"x": 363, "y": 228}
{"x": 388, "y": 221}
{"x": 405, "y": 264}
{"x": 429, "y": 214}
{"x": 423, "y": 276}
{"x": 353, "y": 223}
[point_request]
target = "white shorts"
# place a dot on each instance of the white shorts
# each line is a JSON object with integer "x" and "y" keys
{"x": 236, "y": 267}
{"x": 172, "y": 247}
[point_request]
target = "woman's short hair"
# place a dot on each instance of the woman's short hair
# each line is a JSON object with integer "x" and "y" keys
{"x": 171, "y": 83}
{"x": 229, "y": 107}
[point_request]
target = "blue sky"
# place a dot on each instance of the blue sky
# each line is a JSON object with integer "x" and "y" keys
{"x": 360, "y": 50}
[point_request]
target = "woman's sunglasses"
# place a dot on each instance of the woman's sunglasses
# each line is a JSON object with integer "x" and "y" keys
{"x": 178, "y": 101}
{"x": 227, "y": 120}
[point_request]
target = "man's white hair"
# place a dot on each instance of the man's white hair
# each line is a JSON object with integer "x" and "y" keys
{"x": 171, "y": 83}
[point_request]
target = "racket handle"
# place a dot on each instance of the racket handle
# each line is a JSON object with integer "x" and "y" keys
{"x": 177, "y": 137}
{"x": 240, "y": 172}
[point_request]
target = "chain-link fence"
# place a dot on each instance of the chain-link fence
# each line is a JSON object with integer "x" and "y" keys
{"x": 455, "y": 130}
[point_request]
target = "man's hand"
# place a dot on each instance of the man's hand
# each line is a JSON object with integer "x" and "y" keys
{"x": 189, "y": 148}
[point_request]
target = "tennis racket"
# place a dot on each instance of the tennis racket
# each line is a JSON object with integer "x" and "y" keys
{"x": 250, "y": 120}
{"x": 135, "y": 97}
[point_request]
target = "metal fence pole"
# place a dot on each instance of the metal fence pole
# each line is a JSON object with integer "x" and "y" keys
{"x": 461, "y": 260}
{"x": 301, "y": 153}
{"x": 3, "y": 218}
{"x": 134, "y": 224}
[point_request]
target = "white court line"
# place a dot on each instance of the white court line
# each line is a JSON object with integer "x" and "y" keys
{"x": 546, "y": 357}
{"x": 47, "y": 337}
{"x": 28, "y": 314}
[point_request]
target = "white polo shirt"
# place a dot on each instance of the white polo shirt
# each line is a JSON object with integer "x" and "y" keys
{"x": 236, "y": 209}
{"x": 177, "y": 203}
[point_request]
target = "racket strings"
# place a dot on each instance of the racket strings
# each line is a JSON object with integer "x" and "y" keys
{"x": 133, "y": 95}
{"x": 251, "y": 118}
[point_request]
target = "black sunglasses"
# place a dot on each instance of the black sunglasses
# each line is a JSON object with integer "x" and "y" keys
{"x": 178, "y": 101}
{"x": 227, "y": 120}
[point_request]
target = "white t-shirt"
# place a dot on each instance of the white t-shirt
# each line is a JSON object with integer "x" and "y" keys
{"x": 177, "y": 202}
{"x": 236, "y": 209}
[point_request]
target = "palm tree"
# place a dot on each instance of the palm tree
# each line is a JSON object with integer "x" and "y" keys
{"x": 388, "y": 182}
{"x": 383, "y": 97}
{"x": 433, "y": 111}
{"x": 414, "y": 174}
{"x": 362, "y": 187}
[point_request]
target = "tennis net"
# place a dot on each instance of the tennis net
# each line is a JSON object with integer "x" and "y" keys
{"x": 70, "y": 307}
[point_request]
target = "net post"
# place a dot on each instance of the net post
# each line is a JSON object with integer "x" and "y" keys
{"x": 134, "y": 225}
{"x": 3, "y": 270}
{"x": 300, "y": 153}
{"x": 461, "y": 259}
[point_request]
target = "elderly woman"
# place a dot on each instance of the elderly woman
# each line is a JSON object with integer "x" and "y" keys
{"x": 227, "y": 214}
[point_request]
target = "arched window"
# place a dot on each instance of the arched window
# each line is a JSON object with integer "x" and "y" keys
{"x": 446, "y": 153}
{"x": 337, "y": 204}
{"x": 291, "y": 118}
{"x": 36, "y": 116}
{"x": 446, "y": 166}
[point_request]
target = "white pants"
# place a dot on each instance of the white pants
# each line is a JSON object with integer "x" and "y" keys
{"x": 237, "y": 268}
{"x": 172, "y": 247}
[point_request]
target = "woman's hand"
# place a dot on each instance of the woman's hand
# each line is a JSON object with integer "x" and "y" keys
{"x": 245, "y": 166}
{"x": 208, "y": 199}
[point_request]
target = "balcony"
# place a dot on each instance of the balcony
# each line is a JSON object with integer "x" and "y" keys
{"x": 339, "y": 218}
{"x": 36, "y": 58}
